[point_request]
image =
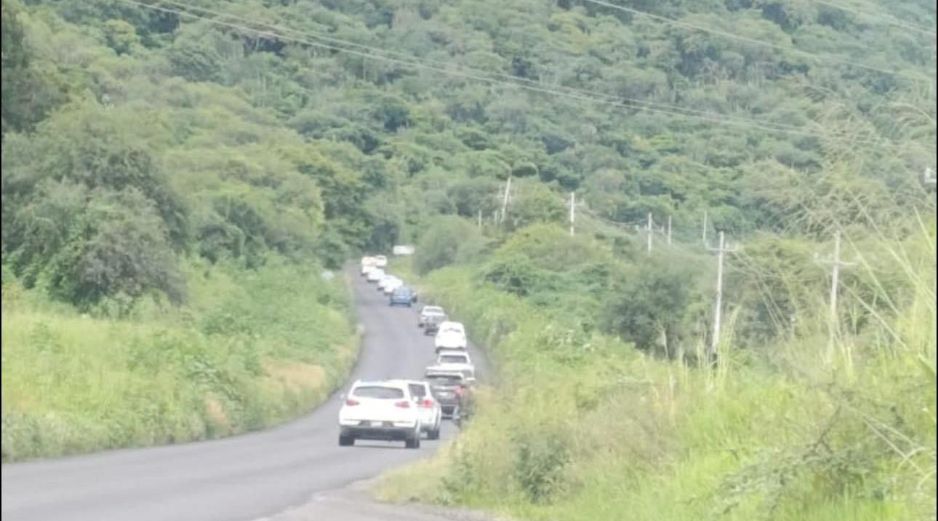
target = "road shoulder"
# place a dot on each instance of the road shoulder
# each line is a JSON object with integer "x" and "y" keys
{"x": 356, "y": 503}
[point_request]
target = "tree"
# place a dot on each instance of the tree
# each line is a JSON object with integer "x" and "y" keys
{"x": 30, "y": 87}
{"x": 448, "y": 240}
{"x": 659, "y": 303}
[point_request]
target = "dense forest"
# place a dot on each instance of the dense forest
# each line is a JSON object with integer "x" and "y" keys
{"x": 234, "y": 129}
{"x": 155, "y": 151}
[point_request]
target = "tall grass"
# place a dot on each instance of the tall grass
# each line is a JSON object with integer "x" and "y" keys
{"x": 251, "y": 349}
{"x": 586, "y": 428}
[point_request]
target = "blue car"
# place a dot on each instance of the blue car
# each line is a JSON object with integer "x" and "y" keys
{"x": 403, "y": 296}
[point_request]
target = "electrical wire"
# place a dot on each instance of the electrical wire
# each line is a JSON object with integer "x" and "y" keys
{"x": 421, "y": 65}
{"x": 753, "y": 41}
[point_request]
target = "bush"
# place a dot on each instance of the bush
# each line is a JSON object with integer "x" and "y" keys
{"x": 447, "y": 240}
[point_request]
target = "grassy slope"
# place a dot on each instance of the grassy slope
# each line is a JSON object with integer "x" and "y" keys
{"x": 251, "y": 349}
{"x": 588, "y": 429}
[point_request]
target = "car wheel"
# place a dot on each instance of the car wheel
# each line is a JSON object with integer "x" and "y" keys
{"x": 434, "y": 434}
{"x": 413, "y": 441}
{"x": 346, "y": 441}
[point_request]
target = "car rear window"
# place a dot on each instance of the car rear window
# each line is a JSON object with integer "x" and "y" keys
{"x": 380, "y": 392}
{"x": 452, "y": 359}
{"x": 444, "y": 379}
{"x": 431, "y": 310}
{"x": 418, "y": 390}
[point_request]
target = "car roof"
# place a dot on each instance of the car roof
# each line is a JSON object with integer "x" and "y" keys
{"x": 450, "y": 323}
{"x": 380, "y": 383}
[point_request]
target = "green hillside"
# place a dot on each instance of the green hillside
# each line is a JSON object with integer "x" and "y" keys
{"x": 154, "y": 149}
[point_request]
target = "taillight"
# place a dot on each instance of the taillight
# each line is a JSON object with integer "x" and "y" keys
{"x": 403, "y": 404}
{"x": 351, "y": 402}
{"x": 427, "y": 403}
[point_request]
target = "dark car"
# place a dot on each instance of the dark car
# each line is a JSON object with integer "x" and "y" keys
{"x": 447, "y": 387}
{"x": 403, "y": 296}
{"x": 431, "y": 325}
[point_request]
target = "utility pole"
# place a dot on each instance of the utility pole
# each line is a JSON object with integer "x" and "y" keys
{"x": 833, "y": 322}
{"x": 505, "y": 200}
{"x": 705, "y": 228}
{"x": 929, "y": 177}
{"x": 718, "y": 306}
{"x": 480, "y": 219}
{"x": 669, "y": 230}
{"x": 649, "y": 231}
{"x": 572, "y": 211}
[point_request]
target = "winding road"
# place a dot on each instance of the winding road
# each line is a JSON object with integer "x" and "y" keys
{"x": 252, "y": 476}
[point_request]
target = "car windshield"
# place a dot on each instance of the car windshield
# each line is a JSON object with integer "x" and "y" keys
{"x": 379, "y": 392}
{"x": 455, "y": 328}
{"x": 453, "y": 359}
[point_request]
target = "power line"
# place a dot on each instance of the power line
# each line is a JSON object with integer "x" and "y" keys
{"x": 881, "y": 17}
{"x": 604, "y": 98}
{"x": 712, "y": 118}
{"x": 753, "y": 41}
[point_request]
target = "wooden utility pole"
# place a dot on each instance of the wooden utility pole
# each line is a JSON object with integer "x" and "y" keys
{"x": 505, "y": 199}
{"x": 833, "y": 322}
{"x": 718, "y": 305}
{"x": 572, "y": 211}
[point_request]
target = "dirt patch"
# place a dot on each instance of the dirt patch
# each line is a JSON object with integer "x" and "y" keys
{"x": 296, "y": 376}
{"x": 215, "y": 413}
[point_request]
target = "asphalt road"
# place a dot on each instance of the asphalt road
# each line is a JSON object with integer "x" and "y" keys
{"x": 257, "y": 475}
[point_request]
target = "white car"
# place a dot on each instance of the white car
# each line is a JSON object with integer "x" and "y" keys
{"x": 431, "y": 414}
{"x": 452, "y": 335}
{"x": 385, "y": 280}
{"x": 456, "y": 361}
{"x": 368, "y": 264}
{"x": 383, "y": 410}
{"x": 450, "y": 356}
{"x": 375, "y": 275}
{"x": 429, "y": 311}
{"x": 392, "y": 285}
{"x": 381, "y": 261}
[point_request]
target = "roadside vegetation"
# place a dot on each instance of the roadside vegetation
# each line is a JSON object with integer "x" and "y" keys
{"x": 591, "y": 417}
{"x": 164, "y": 163}
{"x": 249, "y": 350}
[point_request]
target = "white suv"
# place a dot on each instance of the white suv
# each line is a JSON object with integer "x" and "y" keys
{"x": 375, "y": 274}
{"x": 431, "y": 414}
{"x": 383, "y": 410}
{"x": 452, "y": 335}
